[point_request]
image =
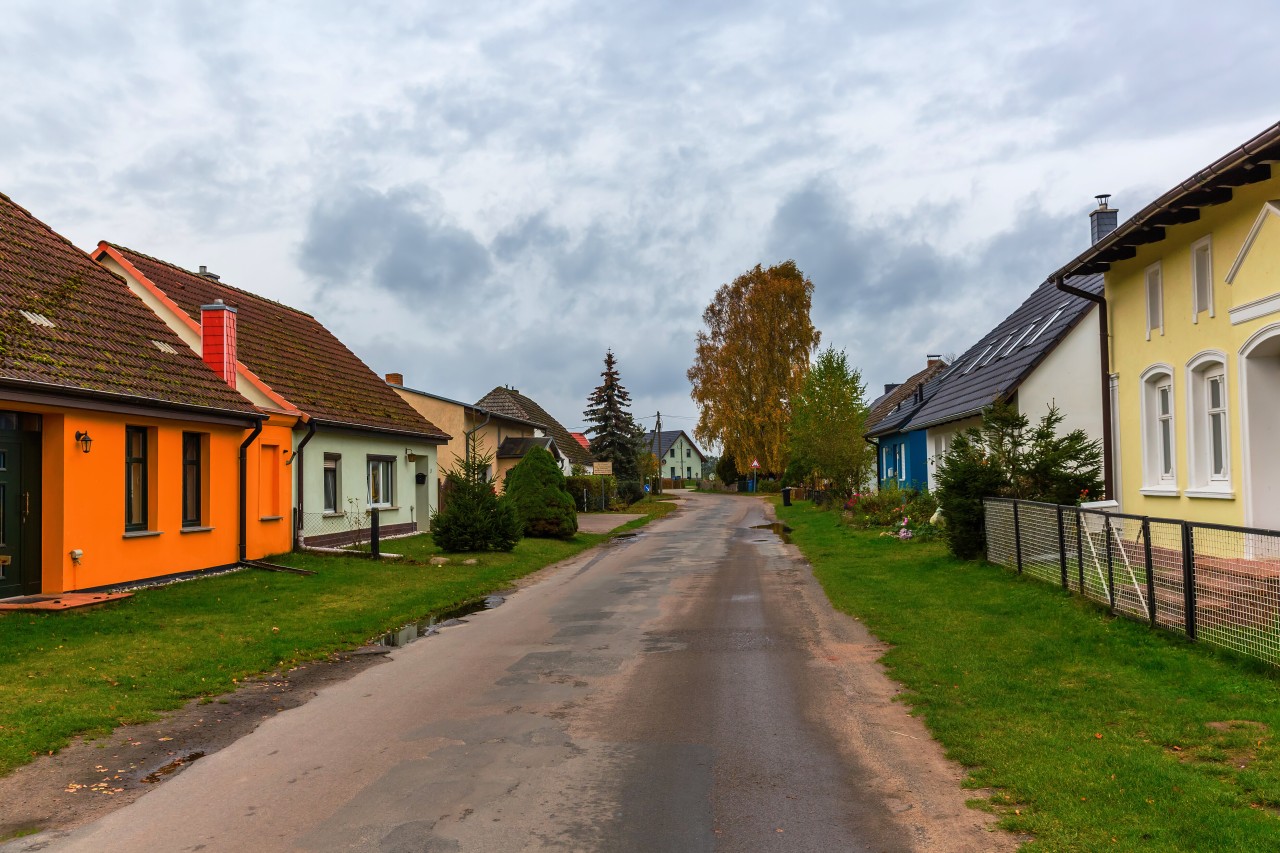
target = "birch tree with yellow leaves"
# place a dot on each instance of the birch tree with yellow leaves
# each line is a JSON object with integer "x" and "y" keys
{"x": 751, "y": 362}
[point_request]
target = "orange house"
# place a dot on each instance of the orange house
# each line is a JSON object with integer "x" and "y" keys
{"x": 123, "y": 455}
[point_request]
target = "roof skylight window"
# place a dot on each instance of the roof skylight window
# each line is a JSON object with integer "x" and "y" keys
{"x": 977, "y": 360}
{"x": 1056, "y": 315}
{"x": 164, "y": 347}
{"x": 38, "y": 319}
{"x": 995, "y": 352}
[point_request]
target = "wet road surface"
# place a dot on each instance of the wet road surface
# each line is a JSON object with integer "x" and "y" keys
{"x": 686, "y": 689}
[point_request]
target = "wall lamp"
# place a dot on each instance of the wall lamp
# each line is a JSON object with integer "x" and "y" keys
{"x": 83, "y": 439}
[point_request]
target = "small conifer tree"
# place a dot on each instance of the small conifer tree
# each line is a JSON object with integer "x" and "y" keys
{"x": 474, "y": 518}
{"x": 536, "y": 486}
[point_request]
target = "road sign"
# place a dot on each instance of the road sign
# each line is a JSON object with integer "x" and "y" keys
{"x": 603, "y": 468}
{"x": 755, "y": 463}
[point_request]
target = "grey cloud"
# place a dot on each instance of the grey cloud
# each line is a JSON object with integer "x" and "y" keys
{"x": 887, "y": 297}
{"x": 399, "y": 241}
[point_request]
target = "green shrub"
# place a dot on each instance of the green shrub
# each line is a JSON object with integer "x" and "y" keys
{"x": 1005, "y": 458}
{"x": 537, "y": 487}
{"x": 591, "y": 485}
{"x": 629, "y": 491}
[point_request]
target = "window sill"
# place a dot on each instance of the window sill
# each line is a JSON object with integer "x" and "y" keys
{"x": 1160, "y": 491}
{"x": 1218, "y": 494}
{"x": 271, "y": 518}
{"x": 327, "y": 514}
{"x": 196, "y": 530}
{"x": 382, "y": 509}
{"x": 141, "y": 534}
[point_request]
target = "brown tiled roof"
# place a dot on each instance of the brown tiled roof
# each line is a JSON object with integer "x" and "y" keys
{"x": 289, "y": 350}
{"x": 507, "y": 401}
{"x": 103, "y": 338}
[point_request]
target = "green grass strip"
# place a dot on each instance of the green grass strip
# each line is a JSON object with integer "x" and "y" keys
{"x": 88, "y": 671}
{"x": 1094, "y": 732}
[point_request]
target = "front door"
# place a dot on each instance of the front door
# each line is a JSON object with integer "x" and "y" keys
{"x": 19, "y": 505}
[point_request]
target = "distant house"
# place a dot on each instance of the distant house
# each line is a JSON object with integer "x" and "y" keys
{"x": 357, "y": 445}
{"x": 1045, "y": 353}
{"x": 902, "y": 456}
{"x": 582, "y": 439}
{"x": 504, "y": 437}
{"x": 1193, "y": 300}
{"x": 121, "y": 450}
{"x": 511, "y": 403}
{"x": 678, "y": 457}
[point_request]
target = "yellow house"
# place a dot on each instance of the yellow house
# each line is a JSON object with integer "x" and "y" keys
{"x": 1193, "y": 304}
{"x": 504, "y": 437}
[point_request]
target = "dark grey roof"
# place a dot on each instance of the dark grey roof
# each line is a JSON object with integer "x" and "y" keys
{"x": 515, "y": 448}
{"x": 666, "y": 439}
{"x": 994, "y": 367}
{"x": 890, "y": 411}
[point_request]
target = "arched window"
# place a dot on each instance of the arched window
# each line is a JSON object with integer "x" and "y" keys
{"x": 1208, "y": 439}
{"x": 1159, "y": 449}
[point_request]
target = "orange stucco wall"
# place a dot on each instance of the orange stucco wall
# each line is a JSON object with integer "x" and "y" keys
{"x": 83, "y": 498}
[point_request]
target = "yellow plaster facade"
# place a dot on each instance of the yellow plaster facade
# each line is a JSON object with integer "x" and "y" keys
{"x": 1197, "y": 368}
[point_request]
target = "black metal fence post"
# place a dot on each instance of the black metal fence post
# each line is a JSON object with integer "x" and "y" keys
{"x": 374, "y": 534}
{"x": 1111, "y": 570}
{"x": 1062, "y": 549}
{"x": 1189, "y": 579}
{"x": 1017, "y": 538}
{"x": 1080, "y": 550}
{"x": 1151, "y": 573}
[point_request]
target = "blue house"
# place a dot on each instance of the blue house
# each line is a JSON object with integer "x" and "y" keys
{"x": 902, "y": 455}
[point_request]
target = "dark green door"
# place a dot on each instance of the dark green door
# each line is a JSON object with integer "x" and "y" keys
{"x": 19, "y": 504}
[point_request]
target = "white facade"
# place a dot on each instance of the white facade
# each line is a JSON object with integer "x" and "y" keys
{"x": 1069, "y": 378}
{"x": 681, "y": 461}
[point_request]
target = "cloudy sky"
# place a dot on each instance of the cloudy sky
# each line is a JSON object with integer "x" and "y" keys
{"x": 478, "y": 194}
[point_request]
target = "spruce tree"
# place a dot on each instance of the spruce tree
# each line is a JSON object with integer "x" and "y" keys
{"x": 615, "y": 436}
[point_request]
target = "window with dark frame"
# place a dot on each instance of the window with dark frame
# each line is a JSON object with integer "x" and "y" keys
{"x": 332, "y": 492}
{"x": 192, "y": 465}
{"x": 135, "y": 478}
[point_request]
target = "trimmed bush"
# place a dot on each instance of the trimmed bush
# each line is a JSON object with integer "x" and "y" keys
{"x": 629, "y": 491}
{"x": 537, "y": 488}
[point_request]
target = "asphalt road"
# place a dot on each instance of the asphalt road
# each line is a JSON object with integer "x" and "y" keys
{"x": 688, "y": 689}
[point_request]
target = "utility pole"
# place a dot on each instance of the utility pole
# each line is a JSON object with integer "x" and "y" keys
{"x": 657, "y": 451}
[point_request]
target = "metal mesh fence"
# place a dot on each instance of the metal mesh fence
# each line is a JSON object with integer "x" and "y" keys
{"x": 1151, "y": 569}
{"x": 1041, "y": 550}
{"x": 999, "y": 522}
{"x": 1237, "y": 590}
{"x": 335, "y": 530}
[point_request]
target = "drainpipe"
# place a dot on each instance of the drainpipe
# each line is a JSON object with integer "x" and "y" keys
{"x": 466, "y": 436}
{"x": 1104, "y": 352}
{"x": 297, "y": 457}
{"x": 244, "y": 488}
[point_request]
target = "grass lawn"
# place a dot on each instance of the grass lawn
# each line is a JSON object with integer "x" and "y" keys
{"x": 1094, "y": 732}
{"x": 87, "y": 671}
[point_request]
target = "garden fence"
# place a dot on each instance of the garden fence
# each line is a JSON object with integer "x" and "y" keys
{"x": 1210, "y": 582}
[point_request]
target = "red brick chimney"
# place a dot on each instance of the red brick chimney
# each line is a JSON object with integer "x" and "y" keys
{"x": 395, "y": 379}
{"x": 218, "y": 339}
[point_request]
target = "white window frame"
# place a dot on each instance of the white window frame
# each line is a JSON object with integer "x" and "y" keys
{"x": 386, "y": 466}
{"x": 1154, "y": 278}
{"x": 1202, "y": 371}
{"x": 1156, "y": 481}
{"x": 332, "y": 462}
{"x": 1204, "y": 245}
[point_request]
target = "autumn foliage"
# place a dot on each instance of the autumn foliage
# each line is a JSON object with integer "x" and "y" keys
{"x": 751, "y": 362}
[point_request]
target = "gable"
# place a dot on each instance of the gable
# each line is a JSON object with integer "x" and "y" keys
{"x": 1255, "y": 273}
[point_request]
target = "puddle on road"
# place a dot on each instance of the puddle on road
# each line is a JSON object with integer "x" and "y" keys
{"x": 433, "y": 624}
{"x": 778, "y": 528}
{"x": 172, "y": 767}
